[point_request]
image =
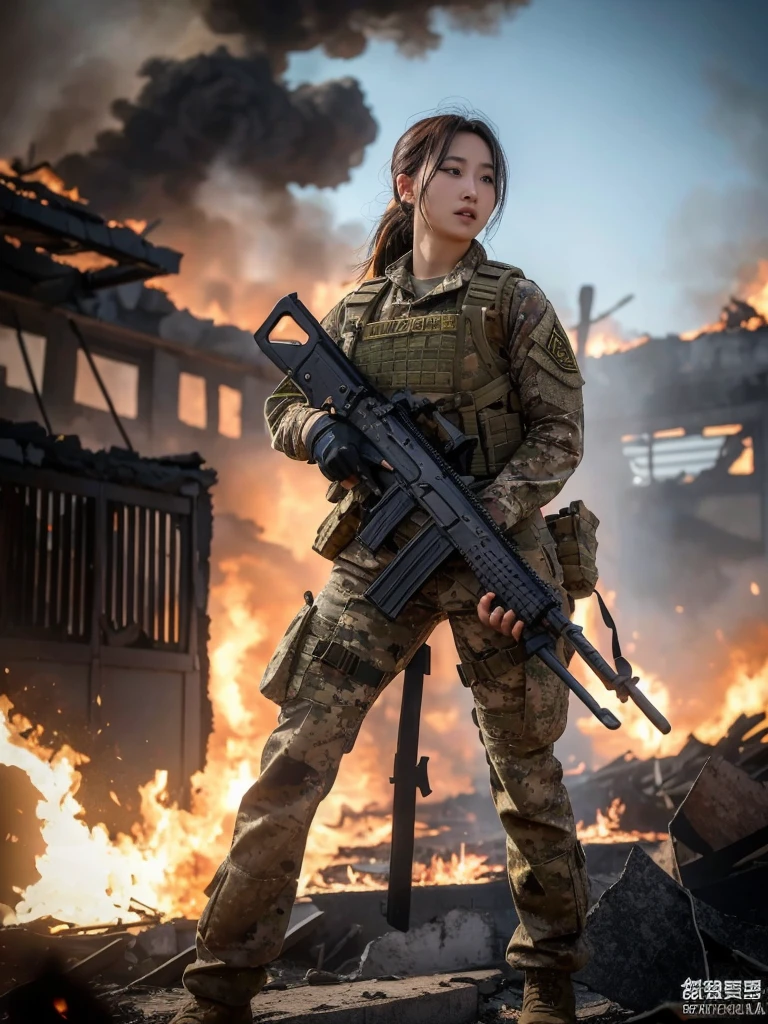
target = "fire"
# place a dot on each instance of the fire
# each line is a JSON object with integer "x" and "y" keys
{"x": 606, "y": 342}
{"x": 172, "y": 853}
{"x": 247, "y": 315}
{"x": 459, "y": 869}
{"x": 607, "y": 828}
{"x": 606, "y": 339}
{"x": 754, "y": 293}
{"x": 745, "y": 463}
{"x": 98, "y": 877}
{"x": 45, "y": 175}
{"x": 739, "y": 688}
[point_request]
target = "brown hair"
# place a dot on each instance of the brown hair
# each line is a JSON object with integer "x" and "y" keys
{"x": 429, "y": 138}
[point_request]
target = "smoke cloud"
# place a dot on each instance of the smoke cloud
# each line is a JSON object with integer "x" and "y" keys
{"x": 719, "y": 236}
{"x": 343, "y": 28}
{"x": 214, "y": 143}
{"x": 190, "y": 114}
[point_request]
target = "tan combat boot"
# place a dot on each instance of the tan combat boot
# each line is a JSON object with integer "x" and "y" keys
{"x": 205, "y": 1011}
{"x": 548, "y": 998}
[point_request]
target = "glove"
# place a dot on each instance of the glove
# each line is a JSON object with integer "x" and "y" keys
{"x": 336, "y": 448}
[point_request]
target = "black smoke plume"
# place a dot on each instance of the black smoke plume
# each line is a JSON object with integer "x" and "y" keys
{"x": 342, "y": 28}
{"x": 213, "y": 107}
{"x": 207, "y": 139}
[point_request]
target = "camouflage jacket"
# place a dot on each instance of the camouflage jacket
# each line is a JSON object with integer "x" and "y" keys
{"x": 542, "y": 367}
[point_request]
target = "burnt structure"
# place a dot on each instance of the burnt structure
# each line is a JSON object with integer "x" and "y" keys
{"x": 103, "y": 601}
{"x": 135, "y": 334}
{"x": 105, "y": 554}
{"x": 681, "y": 428}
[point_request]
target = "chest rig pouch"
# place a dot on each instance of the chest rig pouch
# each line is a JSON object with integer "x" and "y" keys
{"x": 456, "y": 355}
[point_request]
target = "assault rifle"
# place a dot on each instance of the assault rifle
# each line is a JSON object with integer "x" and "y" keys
{"x": 422, "y": 477}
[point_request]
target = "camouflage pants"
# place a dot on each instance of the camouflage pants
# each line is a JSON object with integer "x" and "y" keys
{"x": 342, "y": 654}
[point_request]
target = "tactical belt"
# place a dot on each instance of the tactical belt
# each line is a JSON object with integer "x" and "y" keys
{"x": 347, "y": 662}
{"x": 471, "y": 672}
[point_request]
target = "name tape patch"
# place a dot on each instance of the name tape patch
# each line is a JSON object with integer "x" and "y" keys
{"x": 427, "y": 323}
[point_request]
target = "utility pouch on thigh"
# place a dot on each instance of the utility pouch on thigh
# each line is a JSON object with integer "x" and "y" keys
{"x": 277, "y": 675}
{"x": 574, "y": 532}
{"x": 339, "y": 526}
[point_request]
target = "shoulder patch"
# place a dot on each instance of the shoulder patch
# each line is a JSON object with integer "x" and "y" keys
{"x": 559, "y": 347}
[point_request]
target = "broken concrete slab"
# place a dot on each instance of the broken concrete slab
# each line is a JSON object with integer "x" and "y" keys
{"x": 644, "y": 938}
{"x": 461, "y": 939}
{"x": 433, "y": 1000}
{"x": 671, "y": 931}
{"x": 367, "y": 908}
{"x": 749, "y": 939}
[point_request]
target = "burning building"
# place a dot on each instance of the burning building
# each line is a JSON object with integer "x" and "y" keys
{"x": 108, "y": 678}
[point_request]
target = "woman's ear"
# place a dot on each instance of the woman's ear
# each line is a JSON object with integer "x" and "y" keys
{"x": 404, "y": 183}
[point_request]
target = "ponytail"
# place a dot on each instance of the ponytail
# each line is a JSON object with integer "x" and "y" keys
{"x": 393, "y": 238}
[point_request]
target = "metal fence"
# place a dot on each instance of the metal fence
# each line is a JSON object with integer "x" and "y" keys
{"x": 81, "y": 556}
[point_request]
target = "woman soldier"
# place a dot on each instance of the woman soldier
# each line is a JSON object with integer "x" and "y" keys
{"x": 482, "y": 341}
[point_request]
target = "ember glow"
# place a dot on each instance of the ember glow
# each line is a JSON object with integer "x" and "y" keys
{"x": 607, "y": 828}
{"x": 740, "y": 687}
{"x": 754, "y": 291}
{"x": 605, "y": 339}
{"x": 88, "y": 877}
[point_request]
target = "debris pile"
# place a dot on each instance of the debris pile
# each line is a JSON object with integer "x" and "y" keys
{"x": 693, "y": 899}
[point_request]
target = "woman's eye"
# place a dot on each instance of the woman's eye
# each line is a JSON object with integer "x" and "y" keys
{"x": 450, "y": 170}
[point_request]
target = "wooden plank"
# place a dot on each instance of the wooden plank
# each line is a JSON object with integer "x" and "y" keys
{"x": 131, "y": 615}
{"x": 162, "y": 573}
{"x": 69, "y": 652}
{"x": 118, "y": 567}
{"x": 142, "y": 569}
{"x": 108, "y": 566}
{"x": 69, "y": 483}
{"x": 94, "y": 964}
{"x": 64, "y": 617}
{"x": 173, "y": 585}
{"x": 41, "y": 557}
{"x": 167, "y": 974}
{"x": 152, "y": 577}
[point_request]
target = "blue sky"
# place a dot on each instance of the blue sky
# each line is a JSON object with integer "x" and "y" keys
{"x": 605, "y": 109}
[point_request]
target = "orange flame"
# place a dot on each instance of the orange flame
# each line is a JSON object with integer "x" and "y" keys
{"x": 753, "y": 291}
{"x": 607, "y": 828}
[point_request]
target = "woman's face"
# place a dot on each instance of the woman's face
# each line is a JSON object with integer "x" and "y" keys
{"x": 460, "y": 198}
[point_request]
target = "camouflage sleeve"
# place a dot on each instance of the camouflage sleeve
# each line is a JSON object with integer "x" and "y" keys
{"x": 547, "y": 376}
{"x": 286, "y": 410}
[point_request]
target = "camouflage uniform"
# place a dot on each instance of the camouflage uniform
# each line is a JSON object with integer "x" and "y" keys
{"x": 340, "y": 652}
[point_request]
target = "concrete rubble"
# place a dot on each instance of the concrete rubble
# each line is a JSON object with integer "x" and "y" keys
{"x": 342, "y": 963}
{"x": 461, "y": 939}
{"x": 673, "y": 936}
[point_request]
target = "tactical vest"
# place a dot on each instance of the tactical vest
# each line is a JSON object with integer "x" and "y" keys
{"x": 456, "y": 354}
